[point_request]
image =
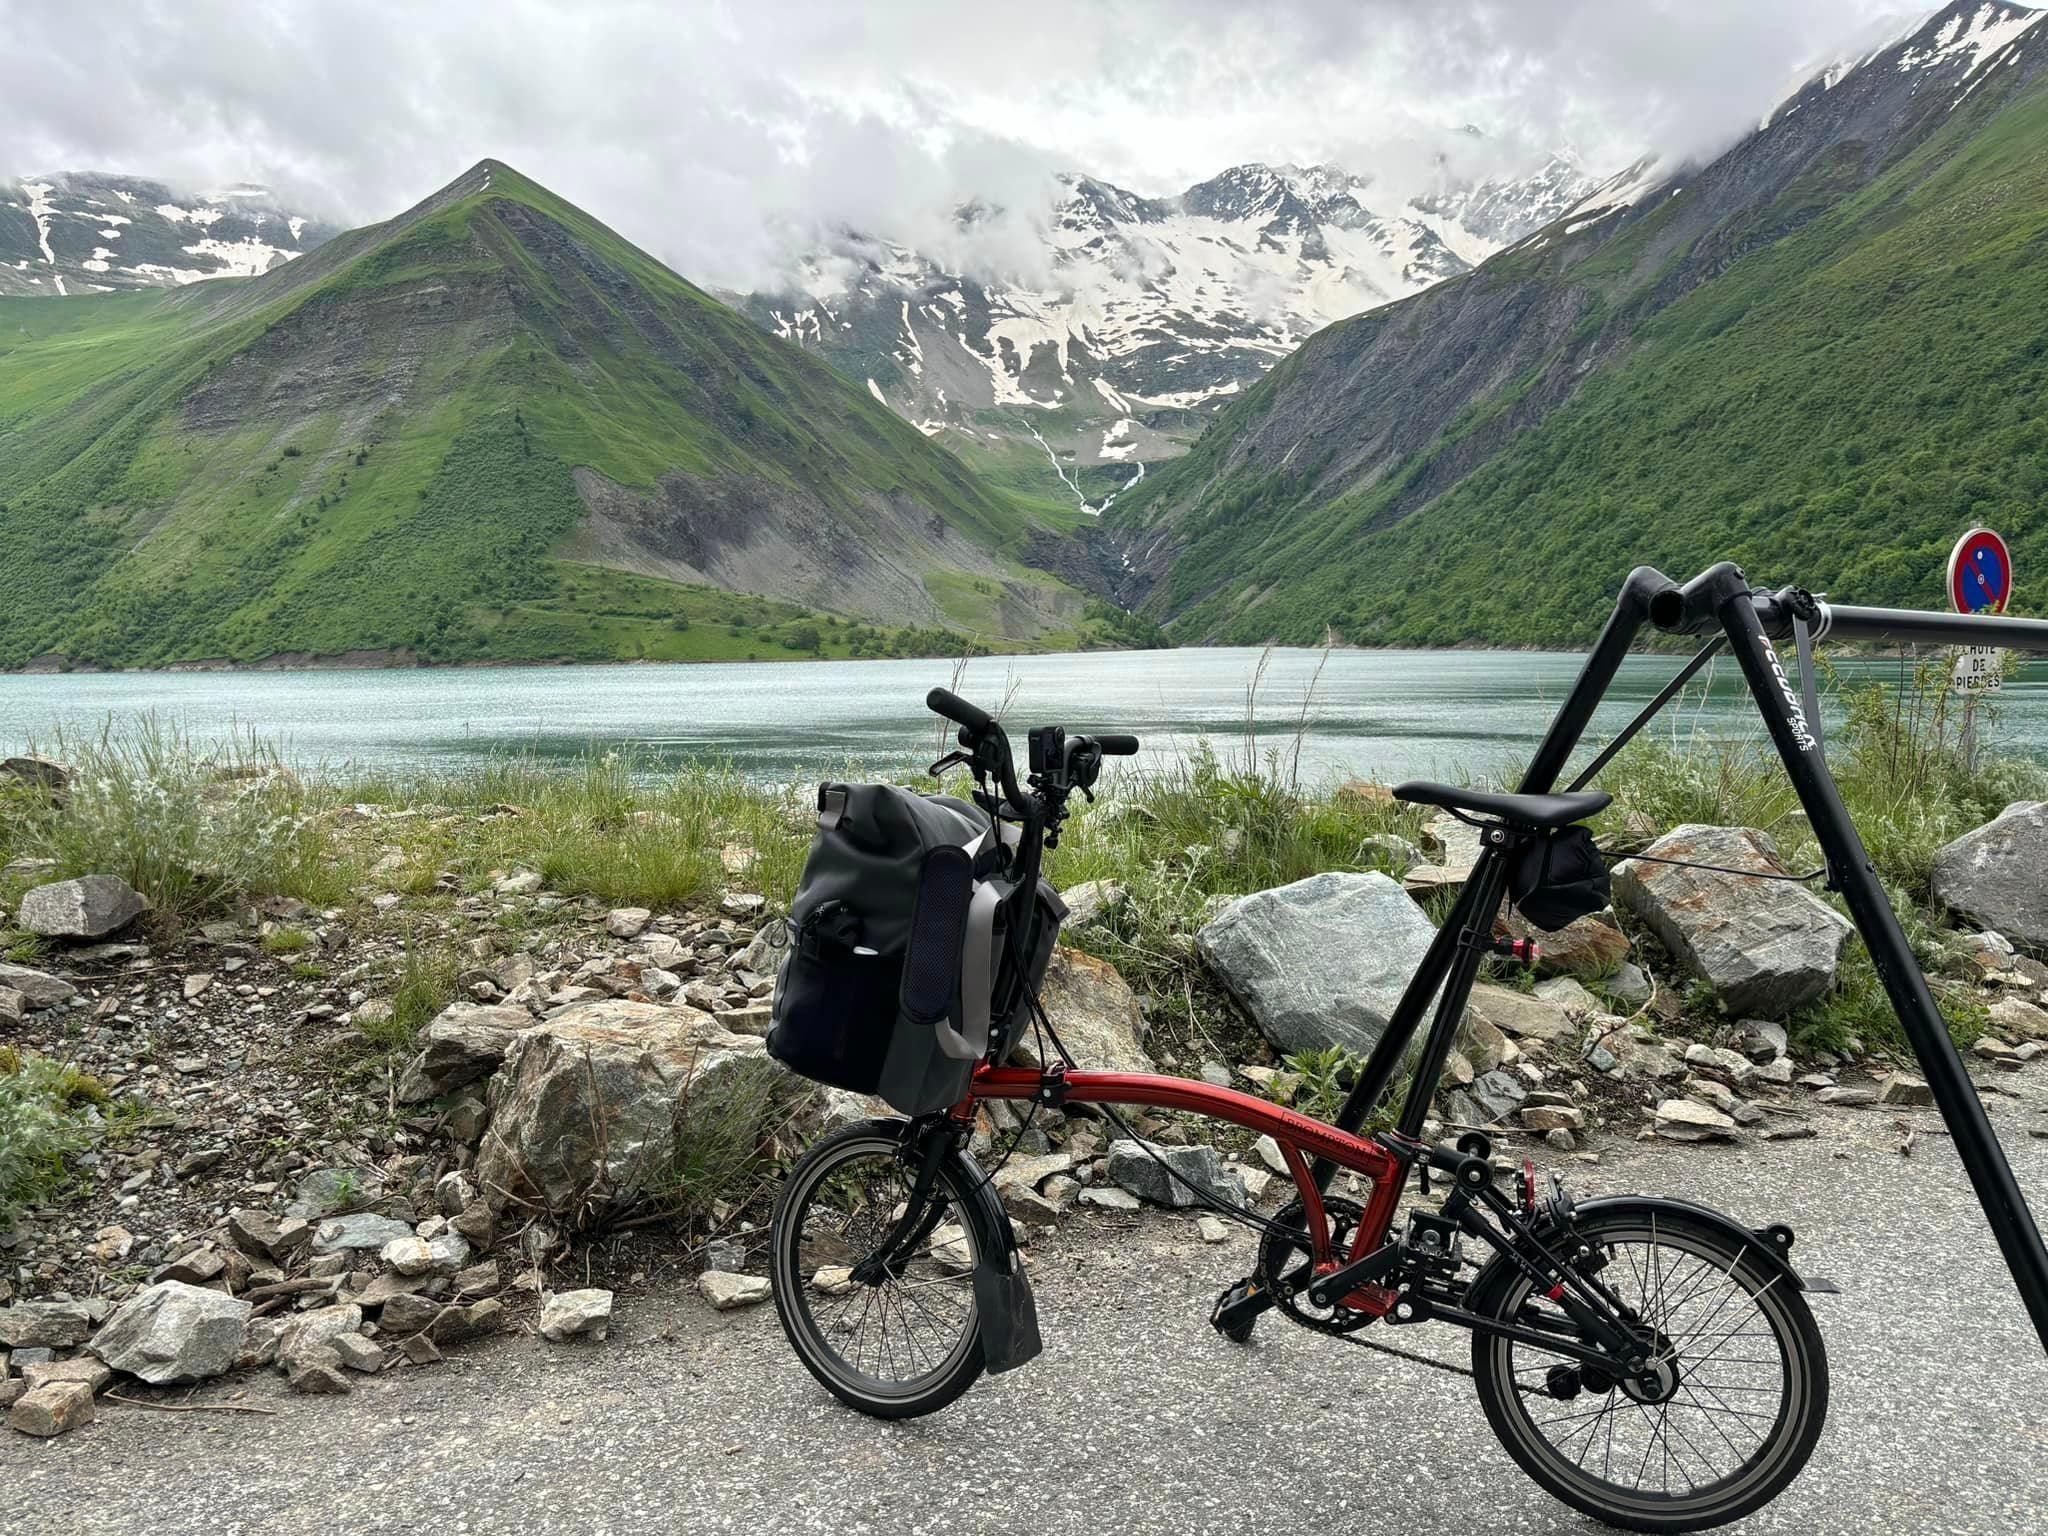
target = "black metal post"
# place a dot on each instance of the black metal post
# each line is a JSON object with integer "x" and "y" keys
{"x": 1954, "y": 1094}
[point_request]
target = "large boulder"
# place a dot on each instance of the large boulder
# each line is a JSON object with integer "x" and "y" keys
{"x": 1997, "y": 876}
{"x": 1321, "y": 962}
{"x": 466, "y": 1041}
{"x": 46, "y": 776}
{"x": 1765, "y": 946}
{"x": 86, "y": 908}
{"x": 609, "y": 1102}
{"x": 174, "y": 1332}
{"x": 1095, "y": 1014}
{"x": 1142, "y": 1168}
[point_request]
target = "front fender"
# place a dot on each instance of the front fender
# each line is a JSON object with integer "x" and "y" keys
{"x": 1007, "y": 1311}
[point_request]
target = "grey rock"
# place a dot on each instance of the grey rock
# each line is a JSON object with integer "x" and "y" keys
{"x": 53, "y": 1409}
{"x": 407, "y": 1255}
{"x": 1093, "y": 900}
{"x": 1094, "y": 1011}
{"x": 357, "y": 1353}
{"x": 1847, "y": 1098}
{"x": 405, "y": 1313}
{"x": 175, "y": 1332}
{"x": 1321, "y": 962}
{"x": 1568, "y": 993}
{"x": 1765, "y": 946}
{"x": 1628, "y": 985}
{"x": 726, "y": 1291}
{"x": 364, "y": 1230}
{"x": 321, "y": 1190}
{"x": 464, "y": 1043}
{"x": 44, "y": 773}
{"x": 1201, "y": 1166}
{"x": 627, "y": 922}
{"x": 263, "y": 1234}
{"x": 1520, "y": 1014}
{"x": 1904, "y": 1088}
{"x": 87, "y": 908}
{"x": 38, "y": 989}
{"x": 13, "y": 1006}
{"x": 593, "y": 1108}
{"x": 1997, "y": 875}
{"x": 729, "y": 1253}
{"x": 1498, "y": 1095}
{"x": 1690, "y": 1120}
{"x": 574, "y": 1314}
{"x": 44, "y": 1325}
{"x": 318, "y": 1371}
{"x": 1391, "y": 849}
{"x": 94, "y": 1373}
{"x": 1110, "y": 1198}
{"x": 311, "y": 1332}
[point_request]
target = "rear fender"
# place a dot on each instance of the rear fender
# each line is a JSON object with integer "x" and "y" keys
{"x": 1769, "y": 1247}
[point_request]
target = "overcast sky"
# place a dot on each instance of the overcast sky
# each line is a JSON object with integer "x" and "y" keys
{"x": 718, "y": 135}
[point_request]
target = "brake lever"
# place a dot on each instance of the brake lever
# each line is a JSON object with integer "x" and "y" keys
{"x": 950, "y": 760}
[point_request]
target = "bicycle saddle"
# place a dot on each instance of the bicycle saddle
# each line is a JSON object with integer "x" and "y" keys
{"x": 1546, "y": 812}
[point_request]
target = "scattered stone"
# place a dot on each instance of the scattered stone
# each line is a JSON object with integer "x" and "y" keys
{"x": 44, "y": 1325}
{"x": 1520, "y": 1014}
{"x": 317, "y": 1372}
{"x": 261, "y": 1233}
{"x": 1904, "y": 1088}
{"x": 1109, "y": 1198}
{"x": 38, "y": 988}
{"x": 1765, "y": 946}
{"x": 175, "y": 1332}
{"x": 1321, "y": 962}
{"x": 94, "y": 1373}
{"x": 13, "y": 1006}
{"x": 87, "y": 908}
{"x": 364, "y": 1230}
{"x": 408, "y": 1255}
{"x": 572, "y": 1314}
{"x": 310, "y": 1332}
{"x": 54, "y": 1409}
{"x": 457, "y": 1325}
{"x": 1995, "y": 1051}
{"x": 1997, "y": 875}
{"x": 1497, "y": 1095}
{"x": 1778, "y": 1071}
{"x": 1568, "y": 993}
{"x": 833, "y": 1280}
{"x": 627, "y": 922}
{"x": 1796, "y": 1130}
{"x": 1554, "y": 1117}
{"x": 1093, "y": 900}
{"x": 464, "y": 1043}
{"x": 44, "y": 773}
{"x": 1629, "y": 985}
{"x": 196, "y": 985}
{"x": 420, "y": 1350}
{"x": 405, "y": 1313}
{"x": 726, "y": 1291}
{"x": 1690, "y": 1120}
{"x": 1733, "y": 1065}
{"x": 356, "y": 1353}
{"x": 522, "y": 883}
{"x": 744, "y": 904}
{"x": 2017, "y": 1017}
{"x": 1199, "y": 1165}
{"x": 1212, "y": 1229}
{"x": 1847, "y": 1098}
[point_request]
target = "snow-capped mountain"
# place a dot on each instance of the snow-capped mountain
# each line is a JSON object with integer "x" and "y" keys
{"x": 81, "y": 232}
{"x": 1144, "y": 314}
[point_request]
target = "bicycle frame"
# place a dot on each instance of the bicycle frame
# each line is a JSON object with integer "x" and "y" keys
{"x": 1719, "y": 598}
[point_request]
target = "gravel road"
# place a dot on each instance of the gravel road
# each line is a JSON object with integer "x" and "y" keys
{"x": 1137, "y": 1419}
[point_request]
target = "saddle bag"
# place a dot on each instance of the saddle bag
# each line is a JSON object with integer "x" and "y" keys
{"x": 892, "y": 967}
{"x": 1559, "y": 877}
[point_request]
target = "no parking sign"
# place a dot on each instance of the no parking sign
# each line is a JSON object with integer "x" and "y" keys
{"x": 1979, "y": 581}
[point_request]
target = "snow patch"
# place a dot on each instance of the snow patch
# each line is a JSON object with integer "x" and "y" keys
{"x": 1978, "y": 36}
{"x": 247, "y": 257}
{"x": 40, "y": 208}
{"x": 297, "y": 224}
{"x": 876, "y": 390}
{"x": 200, "y": 218}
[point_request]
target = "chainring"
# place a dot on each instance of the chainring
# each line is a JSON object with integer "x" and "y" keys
{"x": 1287, "y": 1263}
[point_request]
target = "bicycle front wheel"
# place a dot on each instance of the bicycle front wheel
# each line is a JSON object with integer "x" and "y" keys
{"x": 1741, "y": 1391}
{"x": 907, "y": 1340}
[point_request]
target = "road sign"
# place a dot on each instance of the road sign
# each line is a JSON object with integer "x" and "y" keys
{"x": 1980, "y": 573}
{"x": 1979, "y": 669}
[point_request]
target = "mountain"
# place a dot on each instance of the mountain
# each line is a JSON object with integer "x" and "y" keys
{"x": 81, "y": 232}
{"x": 1142, "y": 314}
{"x": 487, "y": 429}
{"x": 1824, "y": 354}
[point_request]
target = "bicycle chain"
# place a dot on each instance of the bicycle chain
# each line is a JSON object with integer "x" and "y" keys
{"x": 1434, "y": 1364}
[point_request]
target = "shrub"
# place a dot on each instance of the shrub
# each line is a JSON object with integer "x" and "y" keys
{"x": 48, "y": 1114}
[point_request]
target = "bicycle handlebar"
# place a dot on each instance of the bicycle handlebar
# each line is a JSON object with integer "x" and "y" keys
{"x": 1117, "y": 746}
{"x": 943, "y": 701}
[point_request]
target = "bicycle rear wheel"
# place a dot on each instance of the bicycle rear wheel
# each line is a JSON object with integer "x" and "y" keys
{"x": 1743, "y": 1388}
{"x": 908, "y": 1340}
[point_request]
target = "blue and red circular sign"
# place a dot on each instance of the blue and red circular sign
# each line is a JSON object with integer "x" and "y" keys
{"x": 1980, "y": 573}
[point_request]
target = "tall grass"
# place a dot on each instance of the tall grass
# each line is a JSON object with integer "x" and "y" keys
{"x": 48, "y": 1113}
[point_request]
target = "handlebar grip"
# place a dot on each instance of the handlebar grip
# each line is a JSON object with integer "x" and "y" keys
{"x": 941, "y": 701}
{"x": 1118, "y": 746}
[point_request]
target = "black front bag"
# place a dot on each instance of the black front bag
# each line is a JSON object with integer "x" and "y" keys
{"x": 897, "y": 950}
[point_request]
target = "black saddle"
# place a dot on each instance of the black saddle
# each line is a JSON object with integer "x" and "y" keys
{"x": 1544, "y": 812}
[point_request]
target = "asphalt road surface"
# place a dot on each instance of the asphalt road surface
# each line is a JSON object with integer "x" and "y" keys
{"x": 1138, "y": 1418}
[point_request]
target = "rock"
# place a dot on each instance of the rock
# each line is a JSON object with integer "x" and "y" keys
{"x": 1629, "y": 985}
{"x": 447, "y": 1252}
{"x": 1765, "y": 946}
{"x": 38, "y": 988}
{"x": 318, "y": 1372}
{"x": 596, "y": 1106}
{"x": 420, "y": 1350}
{"x": 627, "y": 922}
{"x": 1994, "y": 1050}
{"x": 1391, "y": 849}
{"x": 1109, "y": 1199}
{"x": 356, "y": 1353}
{"x": 13, "y": 1006}
{"x": 2018, "y": 1017}
{"x": 41, "y": 773}
{"x": 726, "y": 1291}
{"x": 1093, "y": 900}
{"x": 310, "y": 1332}
{"x": 1321, "y": 962}
{"x": 1520, "y": 1014}
{"x": 1733, "y": 1065}
{"x": 744, "y": 904}
{"x": 458, "y": 1325}
{"x": 86, "y": 908}
{"x": 465, "y": 1042}
{"x": 1847, "y": 1098}
{"x": 259, "y": 1346}
{"x": 1904, "y": 1088}
{"x": 521, "y": 883}
{"x": 1454, "y": 842}
{"x": 1554, "y": 1117}
{"x": 1094, "y": 1011}
{"x": 833, "y": 1280}
{"x": 406, "y": 1313}
{"x": 174, "y": 1332}
{"x": 1497, "y": 1094}
{"x": 1997, "y": 875}
{"x": 453, "y": 1193}
{"x": 95, "y": 1374}
{"x": 365, "y": 1230}
{"x": 1201, "y": 1166}
{"x": 320, "y": 1191}
{"x": 1212, "y": 1229}
{"x": 1690, "y": 1120}
{"x": 1589, "y": 948}
{"x": 44, "y": 1325}
{"x": 572, "y": 1314}
{"x": 1568, "y": 993}
{"x": 53, "y": 1409}
{"x": 261, "y": 1233}
{"x": 408, "y": 1255}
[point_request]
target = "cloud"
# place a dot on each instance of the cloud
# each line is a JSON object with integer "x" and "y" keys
{"x": 724, "y": 136}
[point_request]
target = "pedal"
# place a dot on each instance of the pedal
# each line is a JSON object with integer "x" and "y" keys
{"x": 1238, "y": 1308}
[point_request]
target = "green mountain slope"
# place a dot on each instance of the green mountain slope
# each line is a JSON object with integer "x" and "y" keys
{"x": 1825, "y": 355}
{"x": 427, "y": 436}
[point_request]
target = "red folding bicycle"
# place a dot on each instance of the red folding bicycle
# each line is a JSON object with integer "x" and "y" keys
{"x": 1650, "y": 1361}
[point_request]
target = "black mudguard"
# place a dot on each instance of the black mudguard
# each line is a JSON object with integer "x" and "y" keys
{"x": 1770, "y": 1246}
{"x": 1002, "y": 1291}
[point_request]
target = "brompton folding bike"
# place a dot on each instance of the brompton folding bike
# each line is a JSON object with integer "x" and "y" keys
{"x": 1649, "y": 1361}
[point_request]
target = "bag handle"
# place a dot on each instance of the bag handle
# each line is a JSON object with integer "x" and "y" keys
{"x": 977, "y": 970}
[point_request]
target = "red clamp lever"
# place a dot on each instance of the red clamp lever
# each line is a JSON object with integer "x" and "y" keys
{"x": 1527, "y": 951}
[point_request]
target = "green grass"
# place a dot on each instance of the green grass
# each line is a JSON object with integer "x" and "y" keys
{"x": 49, "y": 1114}
{"x": 1833, "y": 408}
{"x": 171, "y": 490}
